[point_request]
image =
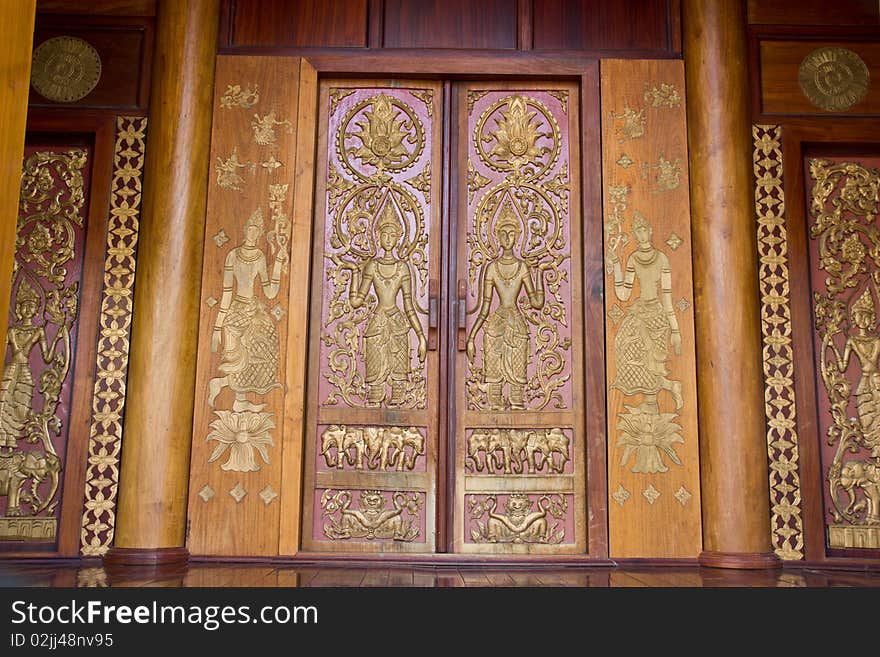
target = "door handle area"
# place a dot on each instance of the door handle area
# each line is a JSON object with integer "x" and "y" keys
{"x": 433, "y": 293}
{"x": 462, "y": 315}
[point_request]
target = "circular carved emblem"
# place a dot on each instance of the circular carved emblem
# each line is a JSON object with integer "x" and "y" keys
{"x": 834, "y": 79}
{"x": 65, "y": 69}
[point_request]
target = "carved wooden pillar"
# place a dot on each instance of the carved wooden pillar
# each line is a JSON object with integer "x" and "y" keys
{"x": 15, "y": 71}
{"x": 151, "y": 518}
{"x": 733, "y": 450}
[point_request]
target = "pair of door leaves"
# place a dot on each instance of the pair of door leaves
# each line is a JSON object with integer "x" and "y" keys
{"x": 514, "y": 438}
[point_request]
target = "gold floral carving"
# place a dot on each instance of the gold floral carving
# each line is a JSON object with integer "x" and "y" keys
{"x": 517, "y": 451}
{"x": 378, "y": 260}
{"x": 65, "y": 69}
{"x": 422, "y": 182}
{"x": 666, "y": 95}
{"x": 780, "y": 406}
{"x": 475, "y": 181}
{"x": 336, "y": 95}
{"x": 382, "y": 448}
{"x": 834, "y": 79}
{"x": 108, "y": 401}
{"x": 844, "y": 205}
{"x": 372, "y": 520}
{"x": 235, "y": 96}
{"x": 427, "y": 97}
{"x": 473, "y": 97}
{"x": 45, "y": 309}
{"x": 517, "y": 240}
{"x": 562, "y": 97}
{"x": 518, "y": 523}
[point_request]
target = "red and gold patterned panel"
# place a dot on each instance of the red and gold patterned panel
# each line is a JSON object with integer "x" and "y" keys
{"x": 519, "y": 442}
{"x": 238, "y": 424}
{"x": 653, "y": 450}
{"x": 37, "y": 383}
{"x": 845, "y": 283}
{"x": 372, "y": 413}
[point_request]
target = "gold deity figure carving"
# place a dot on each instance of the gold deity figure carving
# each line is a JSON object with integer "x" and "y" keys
{"x": 17, "y": 386}
{"x": 865, "y": 344}
{"x": 387, "y": 352}
{"x": 641, "y": 346}
{"x": 249, "y": 339}
{"x": 506, "y": 341}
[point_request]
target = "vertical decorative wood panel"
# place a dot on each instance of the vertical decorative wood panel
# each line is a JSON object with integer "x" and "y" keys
{"x": 489, "y": 24}
{"x": 337, "y": 24}
{"x": 40, "y": 345}
{"x": 519, "y": 438}
{"x": 845, "y": 282}
{"x": 371, "y": 433}
{"x": 108, "y": 401}
{"x": 237, "y": 427}
{"x": 653, "y": 456}
{"x": 786, "y": 523}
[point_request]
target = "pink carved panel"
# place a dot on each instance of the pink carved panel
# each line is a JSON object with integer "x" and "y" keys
{"x": 370, "y": 449}
{"x": 519, "y": 175}
{"x": 379, "y": 155}
{"x": 365, "y": 515}
{"x": 517, "y": 518}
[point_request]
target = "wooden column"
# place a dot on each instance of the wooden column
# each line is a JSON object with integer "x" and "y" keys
{"x": 15, "y": 71}
{"x": 151, "y": 518}
{"x": 730, "y": 387}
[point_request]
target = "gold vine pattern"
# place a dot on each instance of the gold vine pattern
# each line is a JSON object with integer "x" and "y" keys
{"x": 377, "y": 253}
{"x": 844, "y": 205}
{"x": 108, "y": 402}
{"x": 517, "y": 241}
{"x": 780, "y": 407}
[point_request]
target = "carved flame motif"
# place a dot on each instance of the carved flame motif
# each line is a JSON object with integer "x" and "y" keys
{"x": 844, "y": 206}
{"x": 516, "y": 137}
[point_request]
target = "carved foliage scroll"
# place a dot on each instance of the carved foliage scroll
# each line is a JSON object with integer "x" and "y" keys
{"x": 845, "y": 257}
{"x": 40, "y": 340}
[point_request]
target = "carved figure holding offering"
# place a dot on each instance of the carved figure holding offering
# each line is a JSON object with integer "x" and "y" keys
{"x": 387, "y": 352}
{"x": 641, "y": 346}
{"x": 506, "y": 348}
{"x": 246, "y": 331}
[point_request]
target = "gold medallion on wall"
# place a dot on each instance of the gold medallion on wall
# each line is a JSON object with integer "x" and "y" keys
{"x": 65, "y": 69}
{"x": 834, "y": 79}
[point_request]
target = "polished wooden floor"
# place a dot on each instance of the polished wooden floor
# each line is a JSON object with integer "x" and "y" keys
{"x": 15, "y": 573}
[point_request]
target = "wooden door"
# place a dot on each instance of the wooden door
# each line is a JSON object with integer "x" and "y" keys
{"x": 519, "y": 403}
{"x": 371, "y": 430}
{"x": 516, "y": 448}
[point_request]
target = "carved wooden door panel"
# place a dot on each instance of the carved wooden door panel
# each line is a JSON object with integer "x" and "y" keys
{"x": 519, "y": 438}
{"x": 513, "y": 284}
{"x": 371, "y": 430}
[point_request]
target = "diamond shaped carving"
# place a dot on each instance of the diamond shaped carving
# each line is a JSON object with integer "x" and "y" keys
{"x": 267, "y": 495}
{"x": 615, "y": 313}
{"x": 278, "y": 312}
{"x": 220, "y": 238}
{"x": 211, "y": 301}
{"x": 206, "y": 493}
{"x": 238, "y": 493}
{"x": 621, "y": 495}
{"x": 625, "y": 161}
{"x": 683, "y": 496}
{"x": 674, "y": 241}
{"x": 682, "y": 304}
{"x": 651, "y": 494}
